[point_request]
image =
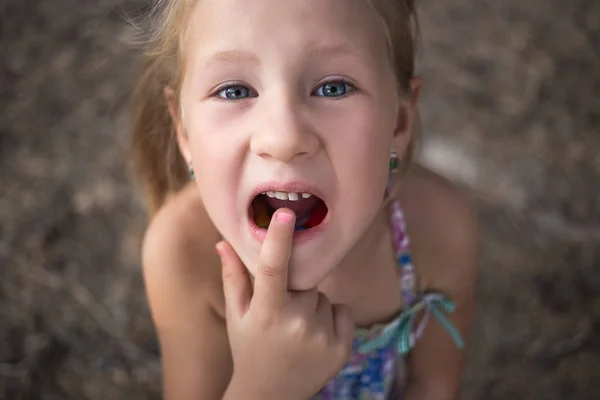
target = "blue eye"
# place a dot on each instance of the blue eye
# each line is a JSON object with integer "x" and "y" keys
{"x": 236, "y": 92}
{"x": 334, "y": 89}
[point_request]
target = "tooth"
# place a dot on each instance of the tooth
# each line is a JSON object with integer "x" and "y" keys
{"x": 306, "y": 195}
{"x": 271, "y": 194}
{"x": 293, "y": 196}
{"x": 281, "y": 195}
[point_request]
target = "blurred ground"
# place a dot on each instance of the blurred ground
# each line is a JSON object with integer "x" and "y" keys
{"x": 511, "y": 112}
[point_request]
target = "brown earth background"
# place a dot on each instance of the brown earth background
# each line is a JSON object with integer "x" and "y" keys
{"x": 511, "y": 112}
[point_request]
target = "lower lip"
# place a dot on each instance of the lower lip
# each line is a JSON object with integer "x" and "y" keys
{"x": 300, "y": 237}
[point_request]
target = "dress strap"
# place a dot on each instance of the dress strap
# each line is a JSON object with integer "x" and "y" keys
{"x": 434, "y": 304}
{"x": 401, "y": 243}
{"x": 403, "y": 331}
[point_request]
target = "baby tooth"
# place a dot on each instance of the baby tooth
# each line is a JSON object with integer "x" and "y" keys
{"x": 293, "y": 196}
{"x": 306, "y": 195}
{"x": 281, "y": 195}
{"x": 271, "y": 194}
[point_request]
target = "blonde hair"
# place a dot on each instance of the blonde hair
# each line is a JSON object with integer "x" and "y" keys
{"x": 157, "y": 162}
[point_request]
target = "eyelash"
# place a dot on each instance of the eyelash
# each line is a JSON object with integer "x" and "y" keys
{"x": 337, "y": 80}
{"x": 229, "y": 85}
{"x": 327, "y": 81}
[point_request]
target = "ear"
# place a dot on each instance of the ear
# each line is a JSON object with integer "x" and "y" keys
{"x": 407, "y": 115}
{"x": 177, "y": 118}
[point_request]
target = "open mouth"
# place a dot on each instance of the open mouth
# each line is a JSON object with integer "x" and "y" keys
{"x": 310, "y": 210}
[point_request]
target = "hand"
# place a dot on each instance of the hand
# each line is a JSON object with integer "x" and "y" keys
{"x": 284, "y": 344}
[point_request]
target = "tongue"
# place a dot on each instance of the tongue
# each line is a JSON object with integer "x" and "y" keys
{"x": 300, "y": 207}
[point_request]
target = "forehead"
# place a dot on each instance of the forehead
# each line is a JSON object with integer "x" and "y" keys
{"x": 231, "y": 29}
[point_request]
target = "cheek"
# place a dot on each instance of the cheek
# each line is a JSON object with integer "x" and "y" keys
{"x": 213, "y": 143}
{"x": 361, "y": 152}
{"x": 217, "y": 167}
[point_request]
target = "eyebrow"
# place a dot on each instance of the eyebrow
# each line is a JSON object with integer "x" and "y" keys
{"x": 229, "y": 56}
{"x": 335, "y": 49}
{"x": 317, "y": 49}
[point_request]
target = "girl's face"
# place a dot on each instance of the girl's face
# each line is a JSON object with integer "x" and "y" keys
{"x": 296, "y": 97}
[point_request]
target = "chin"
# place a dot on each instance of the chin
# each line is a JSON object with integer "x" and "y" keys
{"x": 308, "y": 269}
{"x": 305, "y": 279}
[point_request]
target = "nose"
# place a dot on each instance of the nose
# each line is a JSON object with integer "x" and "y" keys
{"x": 282, "y": 131}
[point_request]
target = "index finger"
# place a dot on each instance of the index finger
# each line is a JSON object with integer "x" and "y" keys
{"x": 271, "y": 280}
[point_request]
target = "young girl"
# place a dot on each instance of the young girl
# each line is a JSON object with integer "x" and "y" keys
{"x": 280, "y": 134}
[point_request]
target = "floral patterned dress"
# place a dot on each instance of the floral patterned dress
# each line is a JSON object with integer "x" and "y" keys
{"x": 378, "y": 353}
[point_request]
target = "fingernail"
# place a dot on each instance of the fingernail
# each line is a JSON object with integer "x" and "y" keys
{"x": 284, "y": 217}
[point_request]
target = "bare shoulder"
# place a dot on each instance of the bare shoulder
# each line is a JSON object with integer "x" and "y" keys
{"x": 178, "y": 256}
{"x": 444, "y": 239}
{"x": 184, "y": 288}
{"x": 442, "y": 222}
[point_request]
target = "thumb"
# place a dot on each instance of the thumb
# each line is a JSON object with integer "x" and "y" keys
{"x": 236, "y": 283}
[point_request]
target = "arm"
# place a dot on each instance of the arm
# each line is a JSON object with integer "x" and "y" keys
{"x": 435, "y": 365}
{"x": 183, "y": 285}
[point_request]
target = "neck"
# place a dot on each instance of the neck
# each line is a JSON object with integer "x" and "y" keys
{"x": 367, "y": 278}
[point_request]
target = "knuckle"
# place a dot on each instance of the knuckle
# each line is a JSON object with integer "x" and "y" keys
{"x": 299, "y": 325}
{"x": 322, "y": 339}
{"x": 342, "y": 351}
{"x": 343, "y": 314}
{"x": 269, "y": 270}
{"x": 228, "y": 276}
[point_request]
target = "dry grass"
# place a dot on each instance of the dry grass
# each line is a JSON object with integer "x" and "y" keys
{"x": 511, "y": 112}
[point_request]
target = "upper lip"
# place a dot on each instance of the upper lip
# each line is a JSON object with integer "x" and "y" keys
{"x": 289, "y": 187}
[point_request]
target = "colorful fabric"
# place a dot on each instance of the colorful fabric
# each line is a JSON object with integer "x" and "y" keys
{"x": 379, "y": 353}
